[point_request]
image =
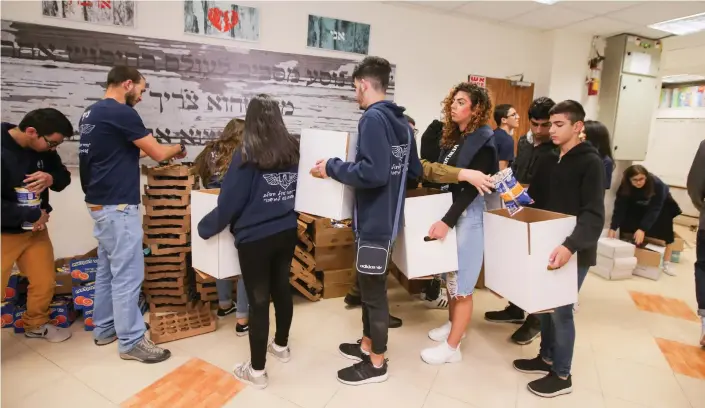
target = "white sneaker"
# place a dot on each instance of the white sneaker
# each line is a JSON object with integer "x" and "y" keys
{"x": 440, "y": 303}
{"x": 441, "y": 333}
{"x": 702, "y": 335}
{"x": 50, "y": 333}
{"x": 441, "y": 354}
{"x": 666, "y": 268}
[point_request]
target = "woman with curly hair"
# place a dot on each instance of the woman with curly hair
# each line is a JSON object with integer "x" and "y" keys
{"x": 211, "y": 165}
{"x": 466, "y": 143}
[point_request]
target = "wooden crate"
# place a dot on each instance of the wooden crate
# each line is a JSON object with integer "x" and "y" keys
{"x": 196, "y": 319}
{"x": 166, "y": 239}
{"x": 153, "y": 211}
{"x": 166, "y": 200}
{"x": 158, "y": 249}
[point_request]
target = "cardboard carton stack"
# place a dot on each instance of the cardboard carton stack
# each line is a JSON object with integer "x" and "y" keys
{"x": 167, "y": 234}
{"x": 615, "y": 259}
{"x": 328, "y": 248}
{"x": 167, "y": 227}
{"x": 206, "y": 289}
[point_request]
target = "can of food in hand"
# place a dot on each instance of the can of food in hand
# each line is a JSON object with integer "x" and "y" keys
{"x": 26, "y": 198}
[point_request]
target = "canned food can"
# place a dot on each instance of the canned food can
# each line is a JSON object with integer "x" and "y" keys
{"x": 26, "y": 198}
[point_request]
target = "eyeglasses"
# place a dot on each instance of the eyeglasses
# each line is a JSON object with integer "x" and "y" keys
{"x": 513, "y": 115}
{"x": 52, "y": 144}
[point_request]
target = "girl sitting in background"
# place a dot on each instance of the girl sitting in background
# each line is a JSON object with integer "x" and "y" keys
{"x": 256, "y": 203}
{"x": 211, "y": 165}
{"x": 597, "y": 135}
{"x": 644, "y": 208}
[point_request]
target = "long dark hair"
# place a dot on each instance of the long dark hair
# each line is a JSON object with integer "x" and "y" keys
{"x": 481, "y": 111}
{"x": 597, "y": 134}
{"x": 266, "y": 142}
{"x": 206, "y": 165}
{"x": 626, "y": 188}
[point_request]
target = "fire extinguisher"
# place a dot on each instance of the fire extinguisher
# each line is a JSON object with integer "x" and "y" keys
{"x": 593, "y": 85}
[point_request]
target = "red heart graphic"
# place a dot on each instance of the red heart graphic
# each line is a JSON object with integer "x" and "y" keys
{"x": 222, "y": 20}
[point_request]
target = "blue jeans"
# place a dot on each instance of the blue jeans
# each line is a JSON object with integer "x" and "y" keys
{"x": 471, "y": 246}
{"x": 558, "y": 333}
{"x": 225, "y": 298}
{"x": 118, "y": 230}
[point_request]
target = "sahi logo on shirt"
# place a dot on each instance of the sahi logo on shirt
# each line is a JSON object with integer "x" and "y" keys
{"x": 283, "y": 180}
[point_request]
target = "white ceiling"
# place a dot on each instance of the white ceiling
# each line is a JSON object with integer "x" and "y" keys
{"x": 604, "y": 18}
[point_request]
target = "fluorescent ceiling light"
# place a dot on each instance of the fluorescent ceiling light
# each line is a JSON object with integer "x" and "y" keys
{"x": 549, "y": 2}
{"x": 674, "y": 79}
{"x": 682, "y": 26}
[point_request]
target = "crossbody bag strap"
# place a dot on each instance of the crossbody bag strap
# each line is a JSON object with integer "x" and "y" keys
{"x": 402, "y": 185}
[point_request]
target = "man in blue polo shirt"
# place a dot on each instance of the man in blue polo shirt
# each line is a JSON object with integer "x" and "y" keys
{"x": 507, "y": 120}
{"x": 113, "y": 138}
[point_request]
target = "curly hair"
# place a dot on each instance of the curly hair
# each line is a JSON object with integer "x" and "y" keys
{"x": 480, "y": 115}
{"x": 216, "y": 155}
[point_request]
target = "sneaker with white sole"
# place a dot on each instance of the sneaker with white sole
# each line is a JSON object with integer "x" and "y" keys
{"x": 145, "y": 351}
{"x": 50, "y": 333}
{"x": 667, "y": 269}
{"x": 441, "y": 302}
{"x": 441, "y": 333}
{"x": 363, "y": 372}
{"x": 106, "y": 340}
{"x": 353, "y": 351}
{"x": 246, "y": 374}
{"x": 282, "y": 354}
{"x": 441, "y": 354}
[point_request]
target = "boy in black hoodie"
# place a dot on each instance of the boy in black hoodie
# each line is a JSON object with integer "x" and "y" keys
{"x": 385, "y": 140}
{"x": 571, "y": 183}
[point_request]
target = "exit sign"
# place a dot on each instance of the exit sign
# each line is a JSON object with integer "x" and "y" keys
{"x": 478, "y": 80}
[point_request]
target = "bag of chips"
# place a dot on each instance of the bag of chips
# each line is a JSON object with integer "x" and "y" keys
{"x": 513, "y": 194}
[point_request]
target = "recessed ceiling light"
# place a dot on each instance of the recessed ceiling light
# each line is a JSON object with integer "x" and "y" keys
{"x": 549, "y": 2}
{"x": 675, "y": 79}
{"x": 682, "y": 26}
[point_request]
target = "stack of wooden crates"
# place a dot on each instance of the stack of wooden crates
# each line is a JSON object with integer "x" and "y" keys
{"x": 323, "y": 260}
{"x": 168, "y": 279}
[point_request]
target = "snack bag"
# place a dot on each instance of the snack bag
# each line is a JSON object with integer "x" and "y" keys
{"x": 513, "y": 194}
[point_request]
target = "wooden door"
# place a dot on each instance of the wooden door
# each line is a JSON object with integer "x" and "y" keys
{"x": 501, "y": 91}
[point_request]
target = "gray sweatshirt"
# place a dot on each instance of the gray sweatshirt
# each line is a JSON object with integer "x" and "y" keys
{"x": 696, "y": 183}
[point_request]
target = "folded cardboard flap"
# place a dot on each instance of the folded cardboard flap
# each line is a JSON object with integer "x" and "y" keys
{"x": 215, "y": 191}
{"x": 647, "y": 257}
{"x": 678, "y": 244}
{"x": 530, "y": 215}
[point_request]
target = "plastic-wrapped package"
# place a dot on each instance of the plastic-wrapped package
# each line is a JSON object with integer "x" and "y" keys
{"x": 513, "y": 194}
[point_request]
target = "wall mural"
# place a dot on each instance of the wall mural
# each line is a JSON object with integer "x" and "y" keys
{"x": 221, "y": 19}
{"x": 108, "y": 12}
{"x": 193, "y": 89}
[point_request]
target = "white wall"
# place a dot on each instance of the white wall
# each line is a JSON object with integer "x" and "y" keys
{"x": 432, "y": 53}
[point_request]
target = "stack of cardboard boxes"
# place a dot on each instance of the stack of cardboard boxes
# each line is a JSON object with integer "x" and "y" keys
{"x": 615, "y": 259}
{"x": 83, "y": 271}
{"x": 167, "y": 235}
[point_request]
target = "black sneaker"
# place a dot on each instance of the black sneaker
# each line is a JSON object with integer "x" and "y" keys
{"x": 511, "y": 314}
{"x": 551, "y": 386}
{"x": 352, "y": 351}
{"x": 242, "y": 329}
{"x": 394, "y": 322}
{"x": 224, "y": 312}
{"x": 533, "y": 366}
{"x": 352, "y": 300}
{"x": 363, "y": 373}
{"x": 528, "y": 332}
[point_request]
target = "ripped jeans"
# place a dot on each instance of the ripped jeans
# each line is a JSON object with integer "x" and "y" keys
{"x": 471, "y": 247}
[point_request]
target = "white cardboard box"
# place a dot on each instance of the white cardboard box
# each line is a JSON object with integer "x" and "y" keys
{"x": 324, "y": 197}
{"x": 615, "y": 248}
{"x": 414, "y": 256}
{"x": 216, "y": 256}
{"x": 649, "y": 261}
{"x": 615, "y": 268}
{"x": 517, "y": 250}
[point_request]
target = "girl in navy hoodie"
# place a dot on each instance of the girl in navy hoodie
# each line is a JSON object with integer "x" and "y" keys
{"x": 597, "y": 135}
{"x": 644, "y": 208}
{"x": 257, "y": 203}
{"x": 466, "y": 143}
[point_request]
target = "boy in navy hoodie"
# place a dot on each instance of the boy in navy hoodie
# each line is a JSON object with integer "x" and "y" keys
{"x": 376, "y": 174}
{"x": 571, "y": 183}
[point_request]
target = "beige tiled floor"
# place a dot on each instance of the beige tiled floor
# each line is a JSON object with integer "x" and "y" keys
{"x": 617, "y": 362}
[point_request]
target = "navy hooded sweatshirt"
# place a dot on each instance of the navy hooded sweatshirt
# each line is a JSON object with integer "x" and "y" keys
{"x": 383, "y": 136}
{"x": 255, "y": 203}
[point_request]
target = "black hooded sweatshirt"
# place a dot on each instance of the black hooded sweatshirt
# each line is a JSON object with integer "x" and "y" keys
{"x": 574, "y": 185}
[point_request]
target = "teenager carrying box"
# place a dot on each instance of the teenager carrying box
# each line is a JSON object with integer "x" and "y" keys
{"x": 571, "y": 183}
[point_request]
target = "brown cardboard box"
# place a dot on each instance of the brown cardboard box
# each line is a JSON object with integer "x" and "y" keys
{"x": 412, "y": 286}
{"x": 340, "y": 276}
{"x": 326, "y": 235}
{"x": 336, "y": 290}
{"x": 334, "y": 257}
{"x": 677, "y": 246}
{"x": 647, "y": 263}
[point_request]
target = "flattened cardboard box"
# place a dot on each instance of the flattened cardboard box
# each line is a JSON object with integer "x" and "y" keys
{"x": 324, "y": 197}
